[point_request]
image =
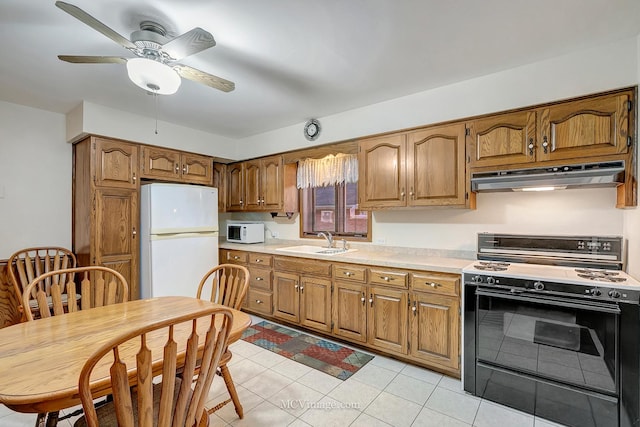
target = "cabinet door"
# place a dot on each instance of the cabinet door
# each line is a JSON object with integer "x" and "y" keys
{"x": 116, "y": 242}
{"x": 116, "y": 164}
{"x": 350, "y": 311}
{"x": 387, "y": 323}
{"x": 271, "y": 184}
{"x": 587, "y": 128}
{"x": 435, "y": 329}
{"x": 220, "y": 182}
{"x": 382, "y": 172}
{"x": 315, "y": 303}
{"x": 196, "y": 169}
{"x": 251, "y": 175}
{"x": 159, "y": 163}
{"x": 435, "y": 166}
{"x": 235, "y": 187}
{"x": 505, "y": 139}
{"x": 286, "y": 304}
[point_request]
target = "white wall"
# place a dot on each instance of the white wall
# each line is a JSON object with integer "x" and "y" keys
{"x": 96, "y": 119}
{"x": 35, "y": 179}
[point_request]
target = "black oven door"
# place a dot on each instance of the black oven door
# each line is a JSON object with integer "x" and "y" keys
{"x": 552, "y": 356}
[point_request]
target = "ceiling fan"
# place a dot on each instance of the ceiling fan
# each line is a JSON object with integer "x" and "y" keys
{"x": 154, "y": 68}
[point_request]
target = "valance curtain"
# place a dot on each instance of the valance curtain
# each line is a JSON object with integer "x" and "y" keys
{"x": 330, "y": 170}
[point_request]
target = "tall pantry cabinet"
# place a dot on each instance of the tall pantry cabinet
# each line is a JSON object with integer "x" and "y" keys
{"x": 105, "y": 206}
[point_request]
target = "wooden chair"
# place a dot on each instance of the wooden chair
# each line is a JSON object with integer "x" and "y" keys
{"x": 54, "y": 293}
{"x": 27, "y": 264}
{"x": 226, "y": 284}
{"x": 140, "y": 399}
{"x": 98, "y": 286}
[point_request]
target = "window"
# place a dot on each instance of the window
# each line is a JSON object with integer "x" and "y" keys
{"x": 334, "y": 208}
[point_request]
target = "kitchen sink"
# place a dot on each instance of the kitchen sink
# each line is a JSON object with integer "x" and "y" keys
{"x": 308, "y": 249}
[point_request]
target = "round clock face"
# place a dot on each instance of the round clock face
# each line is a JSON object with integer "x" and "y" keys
{"x": 312, "y": 129}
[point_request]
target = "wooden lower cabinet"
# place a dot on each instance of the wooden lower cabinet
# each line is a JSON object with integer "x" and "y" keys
{"x": 435, "y": 329}
{"x": 387, "y": 319}
{"x": 350, "y": 311}
{"x": 304, "y": 300}
{"x": 411, "y": 315}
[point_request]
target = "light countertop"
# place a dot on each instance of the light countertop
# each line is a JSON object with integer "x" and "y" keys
{"x": 384, "y": 256}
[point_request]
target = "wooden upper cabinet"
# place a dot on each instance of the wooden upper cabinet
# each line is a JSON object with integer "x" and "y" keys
{"x": 196, "y": 169}
{"x": 265, "y": 184}
{"x": 382, "y": 172}
{"x": 160, "y": 163}
{"x": 586, "y": 128}
{"x": 219, "y": 180}
{"x": 252, "y": 177}
{"x": 235, "y": 187}
{"x": 172, "y": 165}
{"x": 116, "y": 163}
{"x": 503, "y": 139}
{"x": 271, "y": 183}
{"x": 435, "y": 166}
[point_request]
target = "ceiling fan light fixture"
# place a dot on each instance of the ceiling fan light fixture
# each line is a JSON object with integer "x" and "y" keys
{"x": 153, "y": 76}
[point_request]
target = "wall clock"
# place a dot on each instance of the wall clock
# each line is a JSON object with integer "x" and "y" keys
{"x": 312, "y": 130}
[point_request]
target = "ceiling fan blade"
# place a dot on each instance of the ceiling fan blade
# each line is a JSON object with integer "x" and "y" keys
{"x": 204, "y": 78}
{"x": 92, "y": 59}
{"x": 191, "y": 42}
{"x": 83, "y": 16}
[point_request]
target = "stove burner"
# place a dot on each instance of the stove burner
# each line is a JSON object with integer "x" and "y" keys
{"x": 491, "y": 266}
{"x": 602, "y": 275}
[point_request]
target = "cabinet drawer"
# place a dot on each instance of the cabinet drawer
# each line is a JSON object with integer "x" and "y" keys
{"x": 260, "y": 301}
{"x": 388, "y": 277}
{"x": 303, "y": 266}
{"x": 237, "y": 257}
{"x": 443, "y": 284}
{"x": 350, "y": 272}
{"x": 260, "y": 259}
{"x": 260, "y": 278}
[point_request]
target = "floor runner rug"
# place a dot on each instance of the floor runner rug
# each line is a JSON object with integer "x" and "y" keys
{"x": 326, "y": 356}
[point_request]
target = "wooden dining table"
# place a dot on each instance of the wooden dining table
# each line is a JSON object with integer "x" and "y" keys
{"x": 40, "y": 361}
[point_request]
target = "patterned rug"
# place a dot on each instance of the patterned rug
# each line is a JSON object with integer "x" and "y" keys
{"x": 328, "y": 357}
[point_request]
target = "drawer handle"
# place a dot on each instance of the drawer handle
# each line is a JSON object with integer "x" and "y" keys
{"x": 259, "y": 278}
{"x": 363, "y": 299}
{"x": 258, "y": 260}
{"x": 387, "y": 278}
{"x": 371, "y": 299}
{"x": 348, "y": 273}
{"x": 433, "y": 284}
{"x": 258, "y": 301}
{"x": 236, "y": 257}
{"x": 296, "y": 287}
{"x": 414, "y": 309}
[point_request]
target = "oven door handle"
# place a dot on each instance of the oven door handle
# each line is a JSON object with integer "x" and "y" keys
{"x": 556, "y": 301}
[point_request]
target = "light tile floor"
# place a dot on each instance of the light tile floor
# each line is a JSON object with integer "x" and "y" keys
{"x": 276, "y": 391}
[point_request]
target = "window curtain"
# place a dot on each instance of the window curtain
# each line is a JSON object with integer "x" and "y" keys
{"x": 330, "y": 170}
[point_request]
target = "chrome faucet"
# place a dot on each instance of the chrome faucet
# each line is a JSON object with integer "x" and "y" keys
{"x": 327, "y": 236}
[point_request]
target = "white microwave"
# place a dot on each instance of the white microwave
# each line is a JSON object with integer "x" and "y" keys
{"x": 245, "y": 232}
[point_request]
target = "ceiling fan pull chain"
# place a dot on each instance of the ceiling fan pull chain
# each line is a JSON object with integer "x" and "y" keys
{"x": 155, "y": 96}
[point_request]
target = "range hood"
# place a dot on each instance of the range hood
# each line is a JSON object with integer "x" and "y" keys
{"x": 605, "y": 174}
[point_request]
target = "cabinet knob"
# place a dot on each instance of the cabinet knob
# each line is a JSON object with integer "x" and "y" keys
{"x": 296, "y": 287}
{"x": 301, "y": 289}
{"x": 185, "y": 169}
{"x": 414, "y": 309}
{"x": 348, "y": 273}
{"x": 134, "y": 232}
{"x": 258, "y": 301}
{"x": 530, "y": 146}
{"x": 177, "y": 168}
{"x": 236, "y": 257}
{"x": 371, "y": 300}
{"x": 386, "y": 278}
{"x": 259, "y": 278}
{"x": 258, "y": 260}
{"x": 363, "y": 299}
{"x": 134, "y": 178}
{"x": 402, "y": 193}
{"x": 433, "y": 284}
{"x": 545, "y": 144}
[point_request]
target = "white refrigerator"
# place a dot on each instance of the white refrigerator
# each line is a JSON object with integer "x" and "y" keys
{"x": 179, "y": 238}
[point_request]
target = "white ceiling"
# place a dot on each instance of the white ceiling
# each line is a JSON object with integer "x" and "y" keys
{"x": 293, "y": 59}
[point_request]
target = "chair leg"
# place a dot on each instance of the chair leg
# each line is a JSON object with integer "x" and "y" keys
{"x": 52, "y": 419}
{"x": 231, "y": 388}
{"x": 41, "y": 420}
